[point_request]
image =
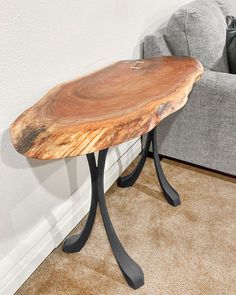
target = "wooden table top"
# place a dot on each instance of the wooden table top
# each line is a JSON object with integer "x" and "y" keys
{"x": 106, "y": 108}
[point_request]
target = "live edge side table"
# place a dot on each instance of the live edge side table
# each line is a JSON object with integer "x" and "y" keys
{"x": 111, "y": 106}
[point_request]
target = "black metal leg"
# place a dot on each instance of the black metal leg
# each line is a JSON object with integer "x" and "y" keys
{"x": 76, "y": 242}
{"x": 130, "y": 179}
{"x": 130, "y": 269}
{"x": 170, "y": 194}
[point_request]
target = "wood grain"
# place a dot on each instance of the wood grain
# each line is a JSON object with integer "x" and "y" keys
{"x": 106, "y": 108}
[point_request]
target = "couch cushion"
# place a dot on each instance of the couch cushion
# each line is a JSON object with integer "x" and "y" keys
{"x": 228, "y": 7}
{"x": 199, "y": 29}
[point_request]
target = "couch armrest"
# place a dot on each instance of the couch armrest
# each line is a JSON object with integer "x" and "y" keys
{"x": 214, "y": 98}
{"x": 155, "y": 45}
{"x": 218, "y": 85}
{"x": 203, "y": 132}
{"x": 219, "y": 92}
{"x": 151, "y": 48}
{"x": 212, "y": 105}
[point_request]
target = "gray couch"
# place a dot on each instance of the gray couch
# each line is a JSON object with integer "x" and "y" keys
{"x": 204, "y": 131}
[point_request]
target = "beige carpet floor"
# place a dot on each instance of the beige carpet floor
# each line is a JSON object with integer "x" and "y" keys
{"x": 188, "y": 250}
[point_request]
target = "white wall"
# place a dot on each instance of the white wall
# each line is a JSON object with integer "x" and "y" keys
{"x": 44, "y": 43}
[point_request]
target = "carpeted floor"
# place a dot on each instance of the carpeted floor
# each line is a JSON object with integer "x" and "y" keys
{"x": 188, "y": 250}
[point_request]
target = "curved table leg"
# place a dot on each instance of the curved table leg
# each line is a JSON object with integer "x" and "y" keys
{"x": 130, "y": 269}
{"x": 130, "y": 179}
{"x": 76, "y": 242}
{"x": 170, "y": 194}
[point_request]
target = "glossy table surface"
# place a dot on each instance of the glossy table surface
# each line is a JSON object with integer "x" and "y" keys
{"x": 105, "y": 108}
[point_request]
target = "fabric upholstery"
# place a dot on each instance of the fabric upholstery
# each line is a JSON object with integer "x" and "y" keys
{"x": 199, "y": 29}
{"x": 155, "y": 45}
{"x": 204, "y": 131}
{"x": 228, "y": 7}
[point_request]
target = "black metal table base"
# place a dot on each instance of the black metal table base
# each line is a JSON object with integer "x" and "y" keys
{"x": 130, "y": 269}
{"x": 170, "y": 194}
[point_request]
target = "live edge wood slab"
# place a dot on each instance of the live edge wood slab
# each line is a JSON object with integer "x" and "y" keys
{"x": 108, "y": 107}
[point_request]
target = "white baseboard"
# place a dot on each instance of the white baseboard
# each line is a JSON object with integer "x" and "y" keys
{"x": 44, "y": 246}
